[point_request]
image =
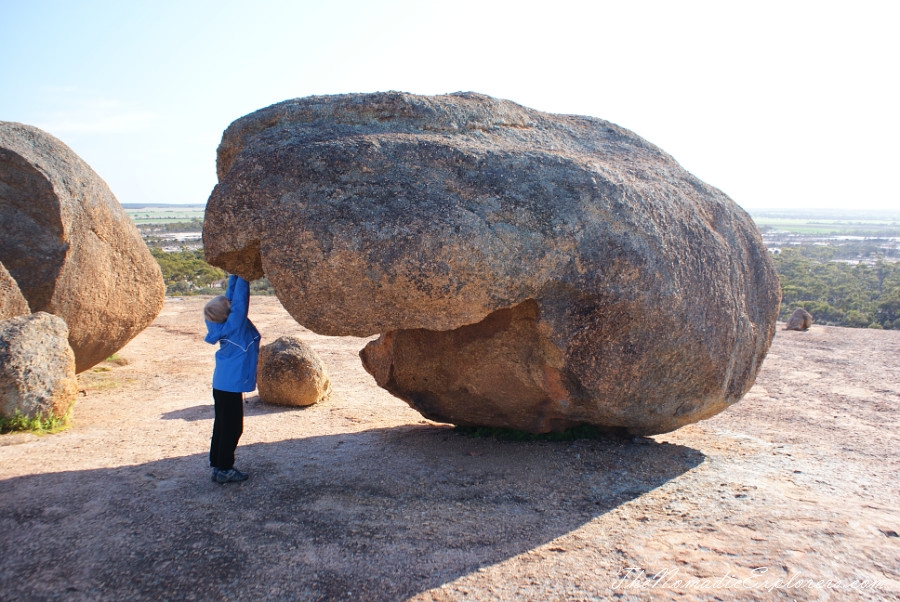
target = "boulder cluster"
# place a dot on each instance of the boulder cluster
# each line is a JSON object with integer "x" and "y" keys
{"x": 71, "y": 255}
{"x": 522, "y": 269}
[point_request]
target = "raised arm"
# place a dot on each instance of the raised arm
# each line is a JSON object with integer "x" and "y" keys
{"x": 239, "y": 291}
{"x": 229, "y": 290}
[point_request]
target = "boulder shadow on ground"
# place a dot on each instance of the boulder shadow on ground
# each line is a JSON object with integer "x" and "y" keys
{"x": 379, "y": 514}
{"x": 204, "y": 411}
{"x": 252, "y": 406}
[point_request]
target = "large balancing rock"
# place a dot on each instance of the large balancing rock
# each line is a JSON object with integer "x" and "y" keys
{"x": 525, "y": 270}
{"x": 70, "y": 246}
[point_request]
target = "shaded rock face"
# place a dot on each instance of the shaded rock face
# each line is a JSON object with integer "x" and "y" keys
{"x": 12, "y": 303}
{"x": 612, "y": 286}
{"x": 799, "y": 320}
{"x": 502, "y": 371}
{"x": 70, "y": 246}
{"x": 291, "y": 373}
{"x": 37, "y": 366}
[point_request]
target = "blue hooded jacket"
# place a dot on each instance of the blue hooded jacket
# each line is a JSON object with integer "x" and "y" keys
{"x": 238, "y": 342}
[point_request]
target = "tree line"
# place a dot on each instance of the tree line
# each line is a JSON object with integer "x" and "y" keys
{"x": 858, "y": 295}
{"x": 185, "y": 272}
{"x": 194, "y": 224}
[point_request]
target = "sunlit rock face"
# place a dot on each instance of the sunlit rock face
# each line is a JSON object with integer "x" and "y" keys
{"x": 12, "y": 303}
{"x": 525, "y": 270}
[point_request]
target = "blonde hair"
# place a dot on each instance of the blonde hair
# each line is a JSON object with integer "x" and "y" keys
{"x": 217, "y": 309}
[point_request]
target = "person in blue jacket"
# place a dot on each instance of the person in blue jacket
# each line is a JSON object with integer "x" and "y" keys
{"x": 235, "y": 374}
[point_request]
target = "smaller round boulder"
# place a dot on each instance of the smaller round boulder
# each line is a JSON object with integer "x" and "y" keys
{"x": 290, "y": 373}
{"x": 37, "y": 367}
{"x": 799, "y": 320}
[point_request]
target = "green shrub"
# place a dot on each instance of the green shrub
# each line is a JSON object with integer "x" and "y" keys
{"x": 261, "y": 287}
{"x": 38, "y": 424}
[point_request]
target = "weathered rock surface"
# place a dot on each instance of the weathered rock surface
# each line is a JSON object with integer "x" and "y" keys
{"x": 291, "y": 373}
{"x": 37, "y": 366}
{"x": 70, "y": 246}
{"x": 526, "y": 270}
{"x": 799, "y": 320}
{"x": 12, "y": 303}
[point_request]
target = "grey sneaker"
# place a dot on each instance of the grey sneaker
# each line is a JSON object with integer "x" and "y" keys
{"x": 232, "y": 475}
{"x": 215, "y": 474}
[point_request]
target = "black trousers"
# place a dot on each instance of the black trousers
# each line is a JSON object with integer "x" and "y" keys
{"x": 227, "y": 428}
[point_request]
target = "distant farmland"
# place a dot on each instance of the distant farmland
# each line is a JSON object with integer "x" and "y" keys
{"x": 881, "y": 224}
{"x": 163, "y": 214}
{"x": 836, "y": 227}
{"x": 873, "y": 224}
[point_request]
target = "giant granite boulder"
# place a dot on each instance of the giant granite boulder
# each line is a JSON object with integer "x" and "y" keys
{"x": 70, "y": 246}
{"x": 12, "y": 303}
{"x": 524, "y": 269}
{"x": 37, "y": 367}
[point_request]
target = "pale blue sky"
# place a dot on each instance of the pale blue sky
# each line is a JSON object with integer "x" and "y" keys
{"x": 779, "y": 104}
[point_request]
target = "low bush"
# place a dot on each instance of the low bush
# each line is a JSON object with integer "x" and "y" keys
{"x": 38, "y": 424}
